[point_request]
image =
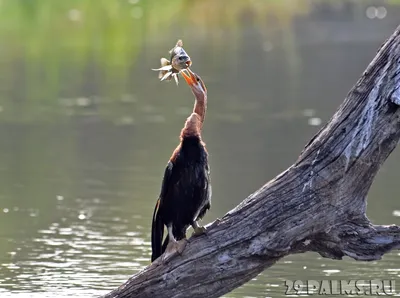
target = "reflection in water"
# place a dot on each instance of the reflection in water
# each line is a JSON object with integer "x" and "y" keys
{"x": 77, "y": 252}
{"x": 87, "y": 131}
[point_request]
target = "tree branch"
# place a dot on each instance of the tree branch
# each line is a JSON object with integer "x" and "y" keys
{"x": 318, "y": 204}
{"x": 358, "y": 240}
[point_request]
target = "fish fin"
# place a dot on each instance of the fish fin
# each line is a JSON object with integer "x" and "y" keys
{"x": 176, "y": 79}
{"x": 161, "y": 73}
{"x": 179, "y": 43}
{"x": 166, "y": 67}
{"x": 166, "y": 76}
{"x": 165, "y": 62}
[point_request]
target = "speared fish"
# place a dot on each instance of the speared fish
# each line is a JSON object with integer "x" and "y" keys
{"x": 178, "y": 62}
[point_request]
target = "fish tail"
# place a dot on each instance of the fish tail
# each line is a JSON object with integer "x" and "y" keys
{"x": 157, "y": 233}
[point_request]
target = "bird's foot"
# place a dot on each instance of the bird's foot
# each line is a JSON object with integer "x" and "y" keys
{"x": 173, "y": 248}
{"x": 198, "y": 231}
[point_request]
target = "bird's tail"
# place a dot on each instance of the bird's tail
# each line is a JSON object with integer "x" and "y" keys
{"x": 157, "y": 233}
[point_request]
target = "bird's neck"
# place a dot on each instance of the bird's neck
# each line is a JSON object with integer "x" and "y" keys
{"x": 192, "y": 127}
{"x": 194, "y": 123}
{"x": 200, "y": 108}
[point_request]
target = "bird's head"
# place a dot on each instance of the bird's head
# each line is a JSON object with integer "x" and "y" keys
{"x": 195, "y": 83}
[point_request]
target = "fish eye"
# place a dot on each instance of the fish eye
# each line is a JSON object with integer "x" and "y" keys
{"x": 198, "y": 79}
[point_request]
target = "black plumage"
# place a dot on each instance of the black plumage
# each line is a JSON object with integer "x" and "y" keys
{"x": 185, "y": 193}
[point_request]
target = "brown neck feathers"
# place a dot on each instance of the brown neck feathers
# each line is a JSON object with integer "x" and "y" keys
{"x": 194, "y": 122}
{"x": 192, "y": 126}
{"x": 200, "y": 107}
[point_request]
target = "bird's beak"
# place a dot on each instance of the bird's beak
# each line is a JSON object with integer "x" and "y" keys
{"x": 189, "y": 78}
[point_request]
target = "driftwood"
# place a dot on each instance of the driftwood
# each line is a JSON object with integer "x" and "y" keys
{"x": 318, "y": 204}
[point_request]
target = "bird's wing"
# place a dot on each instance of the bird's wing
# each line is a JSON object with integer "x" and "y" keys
{"x": 207, "y": 193}
{"x": 157, "y": 229}
{"x": 166, "y": 179}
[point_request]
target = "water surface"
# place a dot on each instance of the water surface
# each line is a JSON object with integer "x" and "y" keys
{"x": 87, "y": 130}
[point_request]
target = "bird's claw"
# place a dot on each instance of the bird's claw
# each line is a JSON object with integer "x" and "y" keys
{"x": 173, "y": 249}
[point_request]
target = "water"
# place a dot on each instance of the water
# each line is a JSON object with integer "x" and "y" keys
{"x": 87, "y": 130}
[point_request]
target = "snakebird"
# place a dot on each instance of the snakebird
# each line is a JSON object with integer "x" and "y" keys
{"x": 186, "y": 189}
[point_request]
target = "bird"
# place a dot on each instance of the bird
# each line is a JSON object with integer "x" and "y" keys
{"x": 186, "y": 191}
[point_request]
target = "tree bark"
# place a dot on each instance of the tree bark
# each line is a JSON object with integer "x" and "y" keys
{"x": 318, "y": 204}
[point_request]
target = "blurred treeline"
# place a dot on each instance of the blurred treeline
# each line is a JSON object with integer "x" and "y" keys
{"x": 52, "y": 50}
